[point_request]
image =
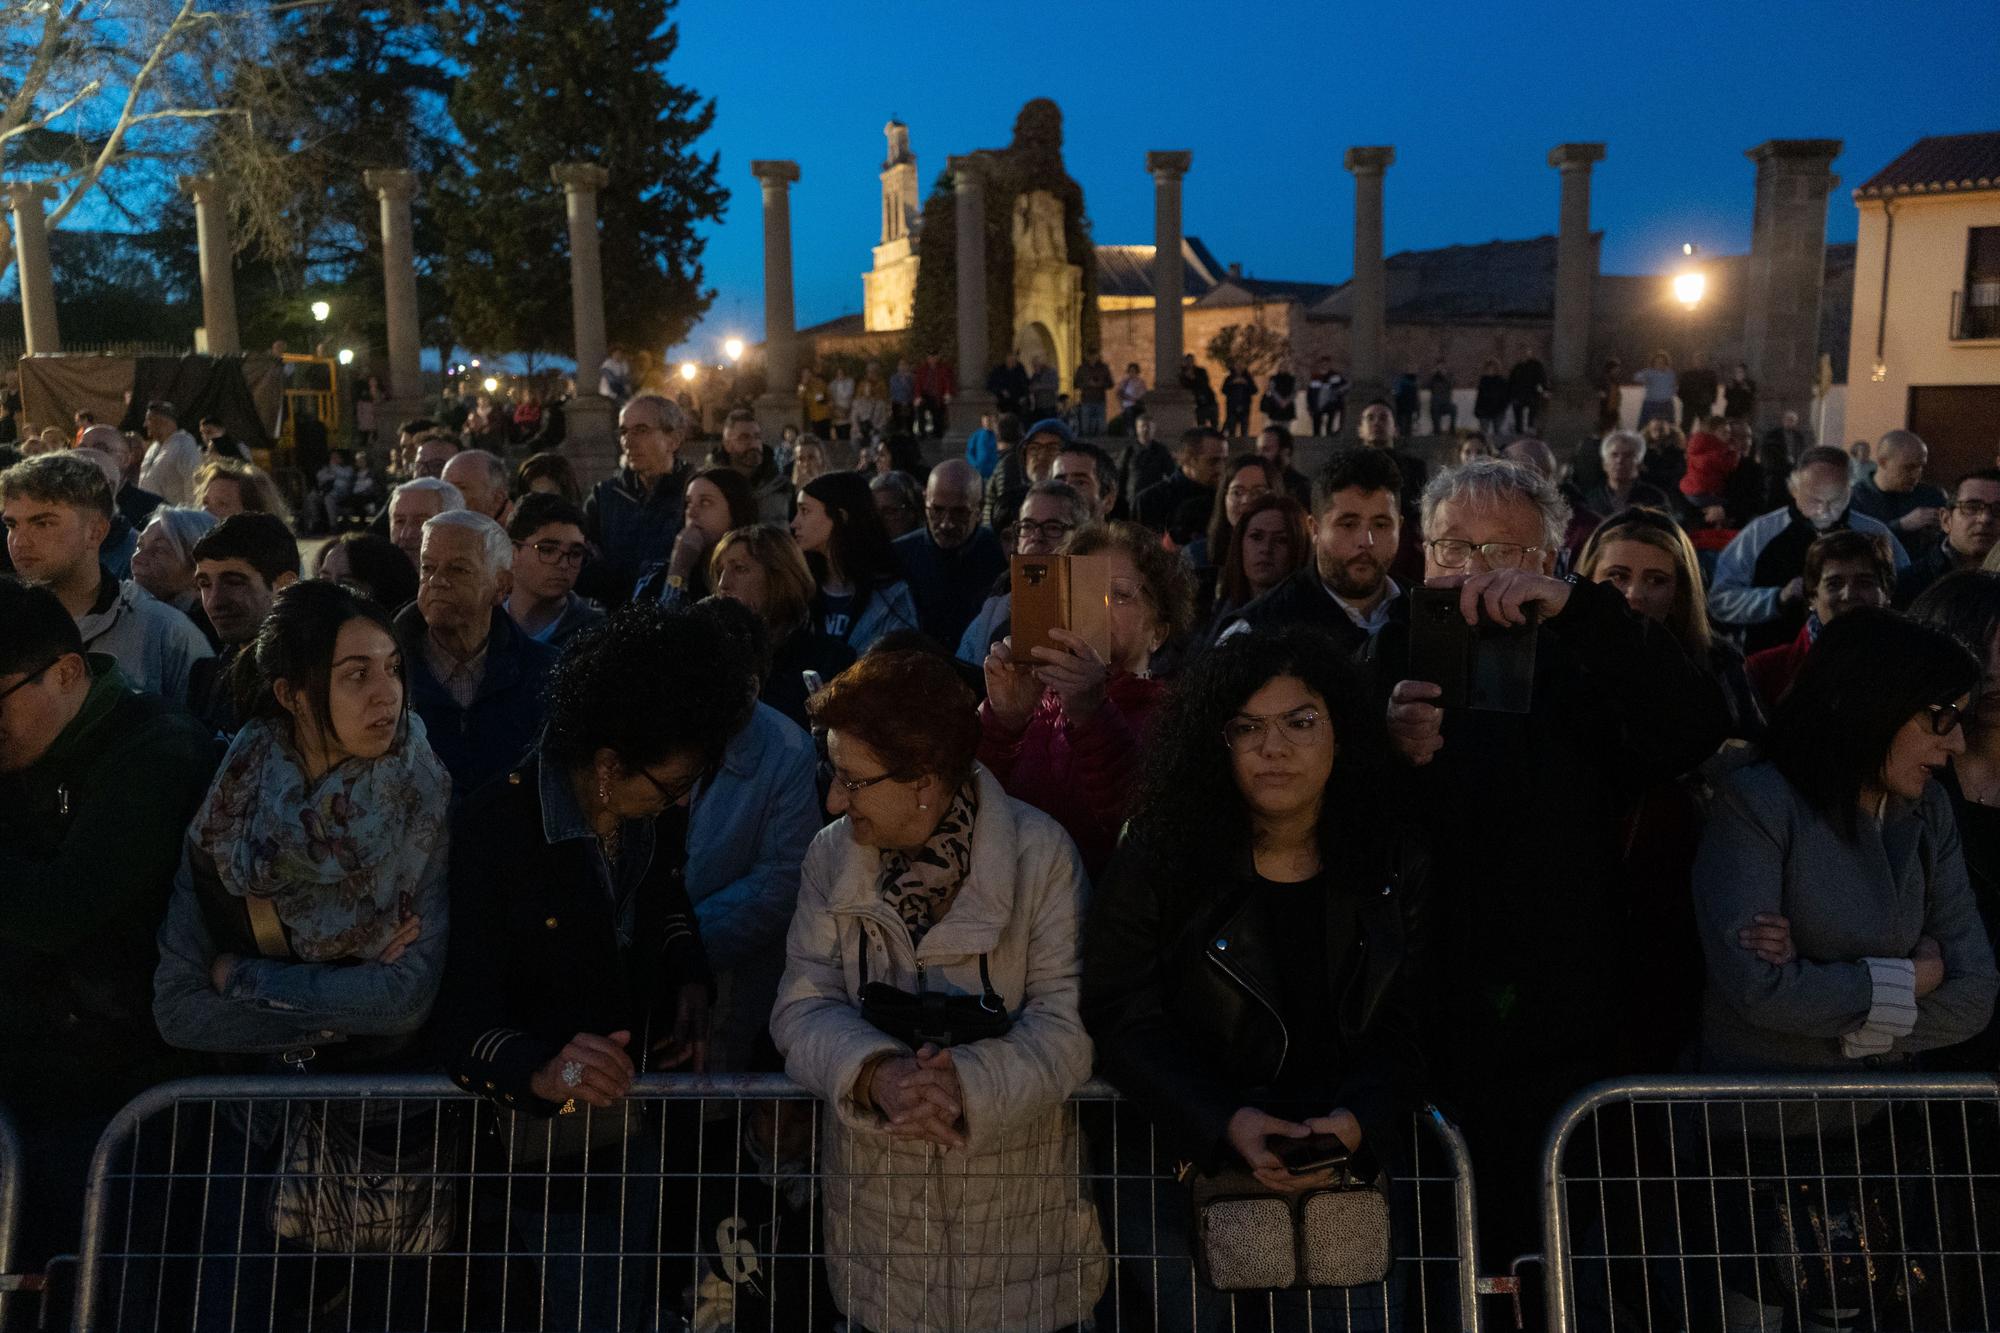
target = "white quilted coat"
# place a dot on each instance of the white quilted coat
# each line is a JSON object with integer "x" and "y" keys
{"x": 999, "y": 1234}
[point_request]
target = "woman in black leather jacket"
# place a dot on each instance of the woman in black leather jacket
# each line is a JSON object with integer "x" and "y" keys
{"x": 1251, "y": 963}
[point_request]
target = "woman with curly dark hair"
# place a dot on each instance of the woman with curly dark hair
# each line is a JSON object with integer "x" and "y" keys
{"x": 1252, "y": 960}
{"x": 862, "y": 594}
{"x": 576, "y": 964}
{"x": 1063, "y": 731}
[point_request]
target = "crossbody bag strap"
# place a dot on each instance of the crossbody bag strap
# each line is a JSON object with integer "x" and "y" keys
{"x": 265, "y": 928}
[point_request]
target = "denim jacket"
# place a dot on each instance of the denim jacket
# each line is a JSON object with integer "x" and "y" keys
{"x": 748, "y": 830}
{"x": 271, "y": 1005}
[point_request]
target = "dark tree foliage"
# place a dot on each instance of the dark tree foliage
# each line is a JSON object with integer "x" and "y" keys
{"x": 1032, "y": 162}
{"x": 551, "y": 81}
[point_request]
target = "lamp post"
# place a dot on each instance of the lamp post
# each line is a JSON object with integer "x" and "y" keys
{"x": 733, "y": 349}
{"x": 320, "y": 311}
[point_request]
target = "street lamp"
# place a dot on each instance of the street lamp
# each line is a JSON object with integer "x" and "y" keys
{"x": 490, "y": 384}
{"x": 688, "y": 371}
{"x": 320, "y": 311}
{"x": 347, "y": 356}
{"x": 733, "y": 349}
{"x": 1690, "y": 283}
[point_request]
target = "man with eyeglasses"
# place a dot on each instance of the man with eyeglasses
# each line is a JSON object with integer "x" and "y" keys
{"x": 1048, "y": 516}
{"x": 97, "y": 784}
{"x": 549, "y": 551}
{"x": 1969, "y": 525}
{"x": 1758, "y": 588}
{"x": 473, "y": 676}
{"x": 1843, "y": 570}
{"x": 632, "y": 517}
{"x": 953, "y": 559}
{"x": 1526, "y": 817}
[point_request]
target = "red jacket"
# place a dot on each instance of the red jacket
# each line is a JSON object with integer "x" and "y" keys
{"x": 935, "y": 380}
{"x": 1083, "y": 776}
{"x": 1710, "y": 460}
{"x": 1771, "y": 671}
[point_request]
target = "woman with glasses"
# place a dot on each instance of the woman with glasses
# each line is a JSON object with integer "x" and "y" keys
{"x": 1252, "y": 960}
{"x": 1062, "y": 728}
{"x": 862, "y": 594}
{"x": 577, "y": 965}
{"x": 930, "y": 1000}
{"x": 763, "y": 568}
{"x": 549, "y": 551}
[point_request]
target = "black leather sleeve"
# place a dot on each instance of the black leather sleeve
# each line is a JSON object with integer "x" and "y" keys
{"x": 1386, "y": 1082}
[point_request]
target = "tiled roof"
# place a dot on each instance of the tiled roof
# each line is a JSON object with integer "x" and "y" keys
{"x": 1939, "y": 165}
{"x": 1127, "y": 270}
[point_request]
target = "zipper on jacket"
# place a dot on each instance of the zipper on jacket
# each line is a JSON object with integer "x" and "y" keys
{"x": 1256, "y": 993}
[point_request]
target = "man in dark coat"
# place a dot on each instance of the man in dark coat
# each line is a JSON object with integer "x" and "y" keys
{"x": 952, "y": 561}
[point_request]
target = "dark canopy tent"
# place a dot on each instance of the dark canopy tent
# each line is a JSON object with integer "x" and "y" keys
{"x": 198, "y": 386}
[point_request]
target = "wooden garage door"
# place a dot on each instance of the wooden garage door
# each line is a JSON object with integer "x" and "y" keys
{"x": 1961, "y": 424}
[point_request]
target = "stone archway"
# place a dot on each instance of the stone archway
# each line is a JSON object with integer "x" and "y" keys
{"x": 1037, "y": 343}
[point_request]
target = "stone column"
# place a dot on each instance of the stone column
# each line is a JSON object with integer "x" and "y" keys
{"x": 1572, "y": 412}
{"x": 31, "y": 256}
{"x": 218, "y": 265}
{"x": 591, "y": 436}
{"x": 1368, "y": 304}
{"x": 779, "y": 404}
{"x": 395, "y": 187}
{"x": 972, "y": 362}
{"x": 1787, "y": 268}
{"x": 1169, "y": 405}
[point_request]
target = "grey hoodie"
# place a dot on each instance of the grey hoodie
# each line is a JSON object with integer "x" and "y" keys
{"x": 154, "y": 644}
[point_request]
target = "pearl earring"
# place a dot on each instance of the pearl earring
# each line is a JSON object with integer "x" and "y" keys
{"x": 922, "y": 806}
{"x": 603, "y": 792}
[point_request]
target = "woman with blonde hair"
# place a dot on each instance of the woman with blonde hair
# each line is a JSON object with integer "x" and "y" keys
{"x": 224, "y": 487}
{"x": 762, "y": 567}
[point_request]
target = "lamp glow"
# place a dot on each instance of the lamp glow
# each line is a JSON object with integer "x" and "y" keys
{"x": 688, "y": 371}
{"x": 1689, "y": 287}
{"x": 321, "y": 310}
{"x": 347, "y": 356}
{"x": 490, "y": 384}
{"x": 733, "y": 348}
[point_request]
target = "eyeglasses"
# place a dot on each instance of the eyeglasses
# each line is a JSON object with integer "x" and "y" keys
{"x": 1974, "y": 509}
{"x": 850, "y": 785}
{"x": 1947, "y": 718}
{"x": 1451, "y": 553}
{"x": 30, "y": 678}
{"x": 1298, "y": 728}
{"x": 1051, "y": 532}
{"x": 671, "y": 795}
{"x": 550, "y": 553}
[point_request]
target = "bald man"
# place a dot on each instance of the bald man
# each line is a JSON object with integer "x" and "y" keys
{"x": 1897, "y": 494}
{"x": 953, "y": 560}
{"x": 482, "y": 480}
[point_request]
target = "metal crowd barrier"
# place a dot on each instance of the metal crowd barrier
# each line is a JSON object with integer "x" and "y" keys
{"x": 1775, "y": 1203}
{"x": 10, "y": 1214}
{"x": 702, "y": 1203}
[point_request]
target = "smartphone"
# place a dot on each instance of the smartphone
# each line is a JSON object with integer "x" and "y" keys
{"x": 812, "y": 681}
{"x": 1302, "y": 1157}
{"x": 1067, "y": 592}
{"x": 1487, "y": 666}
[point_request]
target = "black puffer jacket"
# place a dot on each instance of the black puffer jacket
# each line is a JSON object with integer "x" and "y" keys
{"x": 1181, "y": 993}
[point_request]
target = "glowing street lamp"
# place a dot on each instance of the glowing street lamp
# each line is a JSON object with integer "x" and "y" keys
{"x": 475, "y": 363}
{"x": 1689, "y": 287}
{"x": 347, "y": 356}
{"x": 733, "y": 349}
{"x": 490, "y": 384}
{"x": 688, "y": 371}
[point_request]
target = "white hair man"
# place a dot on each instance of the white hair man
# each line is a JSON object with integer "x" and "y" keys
{"x": 482, "y": 480}
{"x": 415, "y": 503}
{"x": 1524, "y": 812}
{"x": 474, "y": 678}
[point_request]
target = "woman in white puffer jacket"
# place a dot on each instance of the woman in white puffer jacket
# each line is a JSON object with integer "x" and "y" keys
{"x": 951, "y": 1178}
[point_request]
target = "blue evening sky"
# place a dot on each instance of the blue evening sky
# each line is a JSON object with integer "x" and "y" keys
{"x": 1268, "y": 96}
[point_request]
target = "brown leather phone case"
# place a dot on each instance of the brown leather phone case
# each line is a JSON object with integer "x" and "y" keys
{"x": 1059, "y": 592}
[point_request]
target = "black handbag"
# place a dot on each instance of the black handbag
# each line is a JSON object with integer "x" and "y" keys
{"x": 931, "y": 1017}
{"x": 1248, "y": 1237}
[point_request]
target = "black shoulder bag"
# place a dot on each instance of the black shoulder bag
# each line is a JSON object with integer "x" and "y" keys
{"x": 931, "y": 1017}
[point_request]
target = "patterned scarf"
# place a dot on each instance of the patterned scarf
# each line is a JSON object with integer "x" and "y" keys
{"x": 922, "y": 884}
{"x": 339, "y": 859}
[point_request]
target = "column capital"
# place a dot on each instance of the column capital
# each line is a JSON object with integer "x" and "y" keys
{"x": 1572, "y": 156}
{"x": 202, "y": 189}
{"x": 1169, "y": 165}
{"x": 26, "y": 194}
{"x": 966, "y": 169}
{"x": 580, "y": 177}
{"x": 776, "y": 173}
{"x": 1375, "y": 159}
{"x": 1809, "y": 153}
{"x": 391, "y": 182}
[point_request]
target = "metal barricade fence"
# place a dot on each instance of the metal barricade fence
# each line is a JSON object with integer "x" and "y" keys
{"x": 10, "y": 1215}
{"x": 702, "y": 1202}
{"x": 1779, "y": 1203}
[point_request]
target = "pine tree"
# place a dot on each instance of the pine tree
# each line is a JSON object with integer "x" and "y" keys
{"x": 550, "y": 81}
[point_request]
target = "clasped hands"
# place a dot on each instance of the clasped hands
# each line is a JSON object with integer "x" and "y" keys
{"x": 919, "y": 1095}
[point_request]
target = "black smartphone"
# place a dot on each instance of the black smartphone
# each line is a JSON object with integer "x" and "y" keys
{"x": 1302, "y": 1157}
{"x": 1485, "y": 666}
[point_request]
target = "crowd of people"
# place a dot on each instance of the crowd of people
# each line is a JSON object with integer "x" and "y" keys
{"x": 731, "y": 762}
